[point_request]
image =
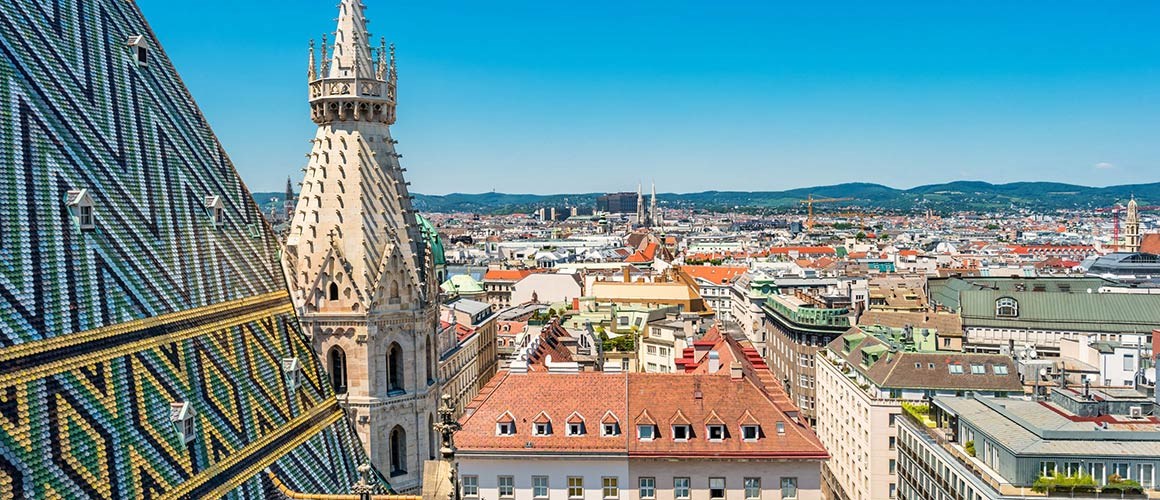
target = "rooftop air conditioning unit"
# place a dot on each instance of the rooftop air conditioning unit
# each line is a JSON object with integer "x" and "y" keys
{"x": 1136, "y": 412}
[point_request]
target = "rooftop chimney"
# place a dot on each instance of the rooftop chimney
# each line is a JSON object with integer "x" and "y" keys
{"x": 735, "y": 372}
{"x": 627, "y": 275}
{"x": 714, "y": 361}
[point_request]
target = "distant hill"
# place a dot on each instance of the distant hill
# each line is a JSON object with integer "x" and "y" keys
{"x": 942, "y": 198}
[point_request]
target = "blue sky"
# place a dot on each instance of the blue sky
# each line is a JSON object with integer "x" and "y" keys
{"x": 550, "y": 97}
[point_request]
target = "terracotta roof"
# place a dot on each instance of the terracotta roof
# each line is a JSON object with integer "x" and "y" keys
{"x": 506, "y": 274}
{"x": 527, "y": 396}
{"x": 686, "y": 399}
{"x": 946, "y": 324}
{"x": 646, "y": 254}
{"x": 1150, "y": 243}
{"x": 696, "y": 398}
{"x": 722, "y": 275}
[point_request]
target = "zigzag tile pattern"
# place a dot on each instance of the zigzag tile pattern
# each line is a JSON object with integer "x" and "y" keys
{"x": 102, "y": 329}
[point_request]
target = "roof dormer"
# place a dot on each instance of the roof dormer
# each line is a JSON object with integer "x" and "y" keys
{"x": 140, "y": 47}
{"x": 609, "y": 425}
{"x": 542, "y": 425}
{"x": 505, "y": 424}
{"x": 576, "y": 424}
{"x": 215, "y": 208}
{"x": 81, "y": 208}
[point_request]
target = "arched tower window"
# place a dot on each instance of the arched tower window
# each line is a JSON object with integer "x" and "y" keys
{"x": 398, "y": 451}
{"x": 394, "y": 291}
{"x": 333, "y": 293}
{"x": 432, "y": 437}
{"x": 430, "y": 362}
{"x": 337, "y": 364}
{"x": 1006, "y": 307}
{"x": 395, "y": 368}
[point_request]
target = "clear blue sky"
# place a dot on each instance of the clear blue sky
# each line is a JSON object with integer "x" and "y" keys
{"x": 549, "y": 97}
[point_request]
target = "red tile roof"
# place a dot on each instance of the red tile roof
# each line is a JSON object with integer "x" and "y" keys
{"x": 506, "y": 274}
{"x": 590, "y": 394}
{"x": 1150, "y": 243}
{"x": 654, "y": 398}
{"x": 715, "y": 274}
{"x": 698, "y": 399}
{"x": 647, "y": 254}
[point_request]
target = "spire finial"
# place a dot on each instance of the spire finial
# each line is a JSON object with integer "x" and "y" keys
{"x": 325, "y": 56}
{"x": 381, "y": 71}
{"x": 311, "y": 73}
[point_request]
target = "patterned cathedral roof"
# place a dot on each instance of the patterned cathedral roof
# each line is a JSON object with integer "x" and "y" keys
{"x": 148, "y": 346}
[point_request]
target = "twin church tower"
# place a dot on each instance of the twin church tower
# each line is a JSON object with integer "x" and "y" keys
{"x": 358, "y": 257}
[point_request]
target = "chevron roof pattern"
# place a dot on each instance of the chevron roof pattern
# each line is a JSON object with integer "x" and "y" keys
{"x": 147, "y": 342}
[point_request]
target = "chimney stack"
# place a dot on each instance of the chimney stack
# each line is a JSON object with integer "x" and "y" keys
{"x": 627, "y": 274}
{"x": 735, "y": 372}
{"x": 714, "y": 361}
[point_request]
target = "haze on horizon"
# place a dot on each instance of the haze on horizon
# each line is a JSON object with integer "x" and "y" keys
{"x": 536, "y": 97}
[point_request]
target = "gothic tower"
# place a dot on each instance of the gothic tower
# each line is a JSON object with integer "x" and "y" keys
{"x": 653, "y": 219}
{"x": 357, "y": 260}
{"x": 1132, "y": 227}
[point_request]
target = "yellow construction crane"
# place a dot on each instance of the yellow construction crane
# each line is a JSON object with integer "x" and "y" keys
{"x": 809, "y": 203}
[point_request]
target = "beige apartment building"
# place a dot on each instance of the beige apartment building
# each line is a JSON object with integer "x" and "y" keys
{"x": 864, "y": 380}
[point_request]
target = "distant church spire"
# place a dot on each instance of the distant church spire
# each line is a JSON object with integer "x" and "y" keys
{"x": 652, "y": 207}
{"x": 1132, "y": 227}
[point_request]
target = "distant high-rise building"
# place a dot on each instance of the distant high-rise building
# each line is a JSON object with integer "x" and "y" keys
{"x": 362, "y": 264}
{"x": 617, "y": 203}
{"x": 640, "y": 216}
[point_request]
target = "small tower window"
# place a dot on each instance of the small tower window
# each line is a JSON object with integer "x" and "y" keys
{"x": 333, "y": 292}
{"x": 140, "y": 49}
{"x": 181, "y": 414}
{"x": 292, "y": 370}
{"x": 215, "y": 209}
{"x": 80, "y": 205}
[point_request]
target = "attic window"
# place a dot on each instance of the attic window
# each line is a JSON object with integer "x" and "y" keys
{"x": 140, "y": 49}
{"x": 978, "y": 369}
{"x": 750, "y": 432}
{"x": 645, "y": 432}
{"x": 1006, "y": 307}
{"x": 80, "y": 204}
{"x": 576, "y": 429}
{"x": 681, "y": 433}
{"x": 780, "y": 428}
{"x": 611, "y": 429}
{"x": 215, "y": 209}
{"x": 955, "y": 369}
{"x": 292, "y": 370}
{"x": 181, "y": 414}
{"x": 716, "y": 432}
{"x": 543, "y": 429}
{"x": 999, "y": 369}
{"x": 505, "y": 428}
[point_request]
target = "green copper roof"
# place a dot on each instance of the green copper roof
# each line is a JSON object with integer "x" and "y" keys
{"x": 462, "y": 283}
{"x": 433, "y": 241}
{"x": 1083, "y": 312}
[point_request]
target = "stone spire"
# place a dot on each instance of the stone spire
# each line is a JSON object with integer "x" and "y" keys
{"x": 352, "y": 51}
{"x": 311, "y": 66}
{"x": 1132, "y": 227}
{"x": 358, "y": 259}
{"x": 652, "y": 206}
